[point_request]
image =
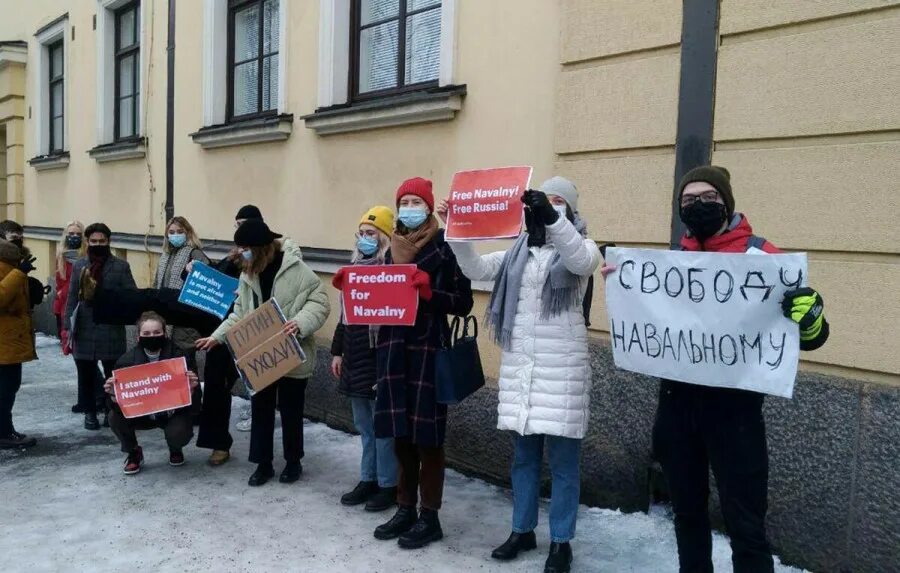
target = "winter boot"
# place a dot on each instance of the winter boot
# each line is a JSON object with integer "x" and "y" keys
{"x": 362, "y": 493}
{"x": 386, "y": 498}
{"x": 90, "y": 421}
{"x": 134, "y": 461}
{"x": 16, "y": 440}
{"x": 426, "y": 530}
{"x": 263, "y": 473}
{"x": 560, "y": 558}
{"x": 517, "y": 542}
{"x": 219, "y": 457}
{"x": 176, "y": 458}
{"x": 402, "y": 522}
{"x": 77, "y": 409}
{"x": 291, "y": 473}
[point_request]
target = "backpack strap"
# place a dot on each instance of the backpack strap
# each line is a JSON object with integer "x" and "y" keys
{"x": 755, "y": 242}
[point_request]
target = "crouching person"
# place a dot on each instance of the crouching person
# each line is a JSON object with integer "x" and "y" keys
{"x": 153, "y": 346}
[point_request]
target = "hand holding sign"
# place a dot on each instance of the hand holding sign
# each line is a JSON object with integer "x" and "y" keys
{"x": 382, "y": 295}
{"x": 485, "y": 204}
{"x": 150, "y": 388}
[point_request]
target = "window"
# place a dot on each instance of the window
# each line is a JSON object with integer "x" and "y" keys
{"x": 127, "y": 72}
{"x": 253, "y": 44}
{"x": 396, "y": 46}
{"x": 55, "y": 80}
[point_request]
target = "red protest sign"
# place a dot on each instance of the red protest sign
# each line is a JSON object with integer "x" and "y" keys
{"x": 151, "y": 388}
{"x": 380, "y": 295}
{"x": 487, "y": 203}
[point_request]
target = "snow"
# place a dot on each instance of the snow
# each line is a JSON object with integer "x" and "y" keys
{"x": 68, "y": 507}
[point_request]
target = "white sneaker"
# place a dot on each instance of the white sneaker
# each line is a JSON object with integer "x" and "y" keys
{"x": 243, "y": 425}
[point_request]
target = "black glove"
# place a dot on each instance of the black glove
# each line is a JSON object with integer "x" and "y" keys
{"x": 540, "y": 206}
{"x": 27, "y": 265}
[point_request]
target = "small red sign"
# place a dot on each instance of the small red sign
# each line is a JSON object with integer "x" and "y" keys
{"x": 151, "y": 388}
{"x": 381, "y": 295}
{"x": 487, "y": 203}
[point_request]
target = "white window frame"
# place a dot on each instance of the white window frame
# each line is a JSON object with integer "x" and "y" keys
{"x": 42, "y": 121}
{"x": 334, "y": 50}
{"x": 215, "y": 60}
{"x": 106, "y": 69}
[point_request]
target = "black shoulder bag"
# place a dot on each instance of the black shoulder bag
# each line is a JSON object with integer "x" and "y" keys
{"x": 458, "y": 371}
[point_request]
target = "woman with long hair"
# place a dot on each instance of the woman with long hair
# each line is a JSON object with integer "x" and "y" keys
{"x": 70, "y": 248}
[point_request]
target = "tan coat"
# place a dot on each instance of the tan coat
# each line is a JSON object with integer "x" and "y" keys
{"x": 16, "y": 335}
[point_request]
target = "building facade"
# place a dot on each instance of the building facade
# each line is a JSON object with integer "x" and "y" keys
{"x": 129, "y": 111}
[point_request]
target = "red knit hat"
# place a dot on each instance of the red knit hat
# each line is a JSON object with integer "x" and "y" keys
{"x": 419, "y": 187}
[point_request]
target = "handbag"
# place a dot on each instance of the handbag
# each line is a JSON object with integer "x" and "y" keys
{"x": 458, "y": 366}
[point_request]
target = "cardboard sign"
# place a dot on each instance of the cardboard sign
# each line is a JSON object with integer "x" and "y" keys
{"x": 209, "y": 290}
{"x": 151, "y": 388}
{"x": 487, "y": 203}
{"x": 261, "y": 352}
{"x": 712, "y": 319}
{"x": 380, "y": 295}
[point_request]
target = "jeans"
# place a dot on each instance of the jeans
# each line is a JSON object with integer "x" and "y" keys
{"x": 289, "y": 395}
{"x": 10, "y": 382}
{"x": 379, "y": 462}
{"x": 564, "y": 456}
{"x": 698, "y": 428}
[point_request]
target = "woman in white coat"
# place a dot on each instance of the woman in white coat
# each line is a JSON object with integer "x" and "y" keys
{"x": 536, "y": 316}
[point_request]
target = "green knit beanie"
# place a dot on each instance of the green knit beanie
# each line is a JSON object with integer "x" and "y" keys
{"x": 716, "y": 176}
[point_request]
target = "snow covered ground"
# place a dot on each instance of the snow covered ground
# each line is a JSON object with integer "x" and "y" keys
{"x": 68, "y": 507}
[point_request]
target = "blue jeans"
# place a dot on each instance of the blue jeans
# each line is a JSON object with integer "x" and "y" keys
{"x": 379, "y": 462}
{"x": 564, "y": 456}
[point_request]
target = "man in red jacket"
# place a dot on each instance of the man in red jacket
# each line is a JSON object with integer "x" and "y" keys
{"x": 700, "y": 426}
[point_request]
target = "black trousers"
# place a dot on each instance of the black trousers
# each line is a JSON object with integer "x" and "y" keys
{"x": 218, "y": 377}
{"x": 91, "y": 396}
{"x": 10, "y": 382}
{"x": 177, "y": 428}
{"x": 289, "y": 394}
{"x": 698, "y": 427}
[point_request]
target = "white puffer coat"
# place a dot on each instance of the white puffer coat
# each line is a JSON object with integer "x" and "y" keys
{"x": 545, "y": 377}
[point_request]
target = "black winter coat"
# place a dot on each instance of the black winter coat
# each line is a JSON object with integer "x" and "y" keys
{"x": 358, "y": 376}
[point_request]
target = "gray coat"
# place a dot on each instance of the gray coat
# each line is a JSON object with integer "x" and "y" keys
{"x": 97, "y": 341}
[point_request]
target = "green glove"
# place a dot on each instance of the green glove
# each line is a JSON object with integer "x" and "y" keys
{"x": 805, "y": 307}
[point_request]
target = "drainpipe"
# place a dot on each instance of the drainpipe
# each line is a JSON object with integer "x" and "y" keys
{"x": 170, "y": 114}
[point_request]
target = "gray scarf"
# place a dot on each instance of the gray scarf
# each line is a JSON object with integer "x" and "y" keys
{"x": 560, "y": 291}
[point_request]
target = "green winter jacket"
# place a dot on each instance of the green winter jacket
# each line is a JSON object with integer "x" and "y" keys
{"x": 302, "y": 298}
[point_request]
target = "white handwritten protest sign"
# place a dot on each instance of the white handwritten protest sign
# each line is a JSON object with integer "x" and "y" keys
{"x": 713, "y": 319}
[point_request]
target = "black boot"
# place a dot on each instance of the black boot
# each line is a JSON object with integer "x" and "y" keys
{"x": 16, "y": 440}
{"x": 362, "y": 493}
{"x": 386, "y": 498}
{"x": 426, "y": 530}
{"x": 402, "y": 522}
{"x": 517, "y": 542}
{"x": 560, "y": 558}
{"x": 291, "y": 473}
{"x": 263, "y": 473}
{"x": 77, "y": 409}
{"x": 90, "y": 421}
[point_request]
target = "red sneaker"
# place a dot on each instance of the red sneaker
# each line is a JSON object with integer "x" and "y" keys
{"x": 134, "y": 461}
{"x": 176, "y": 458}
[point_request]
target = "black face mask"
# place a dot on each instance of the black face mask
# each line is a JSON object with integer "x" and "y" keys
{"x": 73, "y": 241}
{"x": 704, "y": 219}
{"x": 152, "y": 343}
{"x": 99, "y": 251}
{"x": 537, "y": 233}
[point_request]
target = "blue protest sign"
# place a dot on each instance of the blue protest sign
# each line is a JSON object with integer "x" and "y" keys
{"x": 209, "y": 290}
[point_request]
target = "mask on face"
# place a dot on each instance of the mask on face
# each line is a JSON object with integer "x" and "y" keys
{"x": 563, "y": 211}
{"x": 178, "y": 240}
{"x": 247, "y": 255}
{"x": 73, "y": 241}
{"x": 412, "y": 217}
{"x": 152, "y": 344}
{"x": 704, "y": 219}
{"x": 367, "y": 245}
{"x": 99, "y": 251}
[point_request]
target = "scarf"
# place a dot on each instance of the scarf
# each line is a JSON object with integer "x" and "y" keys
{"x": 171, "y": 265}
{"x": 404, "y": 248}
{"x": 560, "y": 291}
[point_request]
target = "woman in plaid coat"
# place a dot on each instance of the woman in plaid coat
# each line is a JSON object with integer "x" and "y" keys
{"x": 405, "y": 406}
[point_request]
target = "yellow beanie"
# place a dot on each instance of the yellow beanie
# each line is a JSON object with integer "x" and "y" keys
{"x": 382, "y": 218}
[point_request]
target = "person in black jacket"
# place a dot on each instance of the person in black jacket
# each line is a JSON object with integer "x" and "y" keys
{"x": 153, "y": 346}
{"x": 353, "y": 348}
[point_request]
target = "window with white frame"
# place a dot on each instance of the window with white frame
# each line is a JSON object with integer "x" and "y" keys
{"x": 50, "y": 120}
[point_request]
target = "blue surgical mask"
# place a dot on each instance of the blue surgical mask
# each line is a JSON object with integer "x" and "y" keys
{"x": 248, "y": 255}
{"x": 177, "y": 240}
{"x": 367, "y": 245}
{"x": 412, "y": 217}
